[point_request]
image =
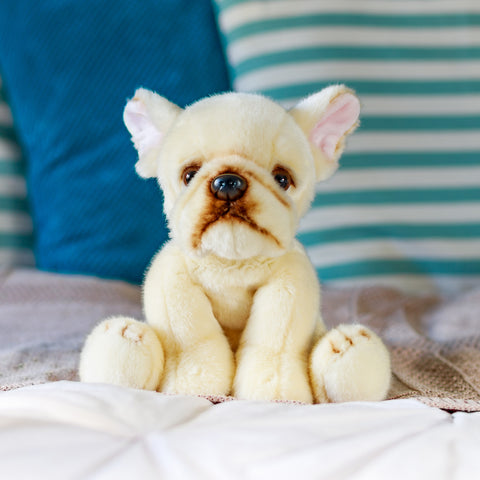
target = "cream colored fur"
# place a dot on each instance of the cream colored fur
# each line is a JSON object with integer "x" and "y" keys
{"x": 232, "y": 301}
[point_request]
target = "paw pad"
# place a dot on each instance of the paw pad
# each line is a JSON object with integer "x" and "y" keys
{"x": 132, "y": 333}
{"x": 365, "y": 334}
{"x": 334, "y": 348}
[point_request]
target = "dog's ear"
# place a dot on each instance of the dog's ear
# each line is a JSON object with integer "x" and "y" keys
{"x": 326, "y": 118}
{"x": 148, "y": 117}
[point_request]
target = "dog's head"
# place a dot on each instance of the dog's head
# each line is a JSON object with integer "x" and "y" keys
{"x": 237, "y": 170}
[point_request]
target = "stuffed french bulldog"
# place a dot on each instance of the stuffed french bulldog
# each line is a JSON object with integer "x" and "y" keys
{"x": 232, "y": 302}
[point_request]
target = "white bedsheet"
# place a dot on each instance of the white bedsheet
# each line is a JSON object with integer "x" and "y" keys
{"x": 68, "y": 430}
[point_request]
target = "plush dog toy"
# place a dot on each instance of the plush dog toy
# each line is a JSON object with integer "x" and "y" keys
{"x": 232, "y": 302}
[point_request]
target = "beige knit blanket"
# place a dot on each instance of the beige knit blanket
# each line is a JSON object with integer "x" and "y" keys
{"x": 435, "y": 343}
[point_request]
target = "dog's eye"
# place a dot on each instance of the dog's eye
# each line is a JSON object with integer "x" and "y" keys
{"x": 189, "y": 172}
{"x": 283, "y": 177}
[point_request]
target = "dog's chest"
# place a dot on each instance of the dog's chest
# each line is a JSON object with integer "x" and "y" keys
{"x": 231, "y": 306}
{"x": 231, "y": 289}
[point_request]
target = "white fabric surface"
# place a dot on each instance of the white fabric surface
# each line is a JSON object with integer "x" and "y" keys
{"x": 68, "y": 430}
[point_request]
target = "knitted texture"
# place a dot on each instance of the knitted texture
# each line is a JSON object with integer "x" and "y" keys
{"x": 434, "y": 343}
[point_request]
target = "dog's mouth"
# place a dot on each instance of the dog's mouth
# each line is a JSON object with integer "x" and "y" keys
{"x": 234, "y": 212}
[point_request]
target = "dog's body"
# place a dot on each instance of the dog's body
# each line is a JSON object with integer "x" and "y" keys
{"x": 239, "y": 308}
{"x": 232, "y": 301}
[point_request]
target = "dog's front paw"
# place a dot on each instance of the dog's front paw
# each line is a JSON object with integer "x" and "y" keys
{"x": 265, "y": 375}
{"x": 350, "y": 363}
{"x": 122, "y": 351}
{"x": 204, "y": 369}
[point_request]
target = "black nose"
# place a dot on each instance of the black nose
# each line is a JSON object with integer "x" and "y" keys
{"x": 228, "y": 186}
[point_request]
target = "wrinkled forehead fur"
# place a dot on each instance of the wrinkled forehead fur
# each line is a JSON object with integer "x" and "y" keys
{"x": 226, "y": 127}
{"x": 228, "y": 132}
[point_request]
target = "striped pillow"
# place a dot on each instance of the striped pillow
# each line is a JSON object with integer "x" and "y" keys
{"x": 404, "y": 208}
{"x": 15, "y": 222}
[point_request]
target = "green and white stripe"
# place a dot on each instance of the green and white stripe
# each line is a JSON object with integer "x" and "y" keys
{"x": 404, "y": 209}
{"x": 15, "y": 220}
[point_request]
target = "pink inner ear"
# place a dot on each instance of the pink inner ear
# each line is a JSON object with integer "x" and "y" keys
{"x": 135, "y": 116}
{"x": 339, "y": 117}
{"x": 144, "y": 133}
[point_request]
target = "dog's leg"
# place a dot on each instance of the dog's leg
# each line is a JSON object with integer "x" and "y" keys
{"x": 198, "y": 357}
{"x": 350, "y": 363}
{"x": 272, "y": 357}
{"x": 122, "y": 351}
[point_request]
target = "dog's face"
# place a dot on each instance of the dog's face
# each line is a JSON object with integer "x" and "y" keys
{"x": 237, "y": 170}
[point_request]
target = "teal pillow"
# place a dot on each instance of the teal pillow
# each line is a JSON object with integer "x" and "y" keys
{"x": 404, "y": 208}
{"x": 16, "y": 240}
{"x": 69, "y": 67}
